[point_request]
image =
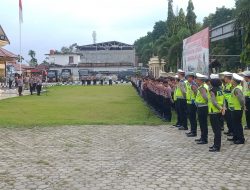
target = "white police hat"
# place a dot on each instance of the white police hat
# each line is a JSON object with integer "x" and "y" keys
{"x": 176, "y": 76}
{"x": 237, "y": 77}
{"x": 190, "y": 74}
{"x": 226, "y": 73}
{"x": 181, "y": 71}
{"x": 214, "y": 76}
{"x": 201, "y": 76}
{"x": 246, "y": 73}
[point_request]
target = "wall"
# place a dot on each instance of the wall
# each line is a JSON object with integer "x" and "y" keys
{"x": 63, "y": 59}
{"x": 108, "y": 56}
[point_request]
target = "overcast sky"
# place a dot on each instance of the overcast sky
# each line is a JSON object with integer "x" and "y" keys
{"x": 51, "y": 24}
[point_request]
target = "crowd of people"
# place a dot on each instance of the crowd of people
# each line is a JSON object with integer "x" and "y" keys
{"x": 193, "y": 96}
{"x": 32, "y": 83}
{"x": 88, "y": 80}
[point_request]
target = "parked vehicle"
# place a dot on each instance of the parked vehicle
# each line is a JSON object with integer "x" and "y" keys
{"x": 66, "y": 75}
{"x": 53, "y": 76}
{"x": 83, "y": 73}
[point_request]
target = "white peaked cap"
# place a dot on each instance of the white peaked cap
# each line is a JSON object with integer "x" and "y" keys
{"x": 226, "y": 73}
{"x": 214, "y": 76}
{"x": 176, "y": 76}
{"x": 237, "y": 77}
{"x": 201, "y": 76}
{"x": 246, "y": 73}
{"x": 181, "y": 71}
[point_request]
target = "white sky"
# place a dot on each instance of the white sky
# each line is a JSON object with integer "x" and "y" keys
{"x": 51, "y": 24}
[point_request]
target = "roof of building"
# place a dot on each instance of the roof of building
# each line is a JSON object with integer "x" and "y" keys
{"x": 3, "y": 38}
{"x": 112, "y": 45}
{"x": 5, "y": 54}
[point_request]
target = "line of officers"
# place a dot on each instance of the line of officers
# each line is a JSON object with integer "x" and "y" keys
{"x": 34, "y": 83}
{"x": 221, "y": 96}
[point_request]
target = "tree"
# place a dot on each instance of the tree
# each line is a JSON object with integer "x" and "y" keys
{"x": 243, "y": 20}
{"x": 221, "y": 16}
{"x": 191, "y": 17}
{"x": 159, "y": 30}
{"x": 69, "y": 49}
{"x": 171, "y": 17}
{"x": 33, "y": 61}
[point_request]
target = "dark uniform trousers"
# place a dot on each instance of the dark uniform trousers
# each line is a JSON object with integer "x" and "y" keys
{"x": 237, "y": 125}
{"x": 216, "y": 126}
{"x": 177, "y": 106}
{"x": 31, "y": 89}
{"x": 167, "y": 109}
{"x": 192, "y": 109}
{"x": 248, "y": 111}
{"x": 228, "y": 118}
{"x": 38, "y": 88}
{"x": 202, "y": 117}
{"x": 182, "y": 106}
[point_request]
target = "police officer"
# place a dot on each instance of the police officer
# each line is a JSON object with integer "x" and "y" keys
{"x": 20, "y": 85}
{"x": 247, "y": 98}
{"x": 237, "y": 105}
{"x": 191, "y": 91}
{"x": 201, "y": 101}
{"x": 216, "y": 109}
{"x": 177, "y": 80}
{"x": 39, "y": 85}
{"x": 181, "y": 100}
{"x": 227, "y": 94}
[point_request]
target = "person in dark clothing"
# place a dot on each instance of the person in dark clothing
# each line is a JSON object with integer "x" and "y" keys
{"x": 216, "y": 108}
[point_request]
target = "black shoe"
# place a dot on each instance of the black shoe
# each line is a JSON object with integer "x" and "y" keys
{"x": 198, "y": 140}
{"x": 230, "y": 139}
{"x": 183, "y": 128}
{"x": 226, "y": 133}
{"x": 211, "y": 147}
{"x": 191, "y": 135}
{"x": 239, "y": 142}
{"x": 214, "y": 149}
{"x": 188, "y": 133}
{"x": 178, "y": 126}
{"x": 247, "y": 128}
{"x": 230, "y": 134}
{"x": 202, "y": 142}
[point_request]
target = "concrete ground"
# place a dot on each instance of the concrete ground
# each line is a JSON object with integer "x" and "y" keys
{"x": 10, "y": 93}
{"x": 118, "y": 157}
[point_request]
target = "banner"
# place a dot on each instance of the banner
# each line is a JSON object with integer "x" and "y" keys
{"x": 196, "y": 52}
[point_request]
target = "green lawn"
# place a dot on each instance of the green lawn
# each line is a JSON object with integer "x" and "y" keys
{"x": 78, "y": 105}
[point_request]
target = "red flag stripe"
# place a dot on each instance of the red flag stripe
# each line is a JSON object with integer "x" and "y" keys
{"x": 20, "y": 11}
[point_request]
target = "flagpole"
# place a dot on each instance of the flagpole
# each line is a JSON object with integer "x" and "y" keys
{"x": 20, "y": 45}
{"x": 20, "y": 33}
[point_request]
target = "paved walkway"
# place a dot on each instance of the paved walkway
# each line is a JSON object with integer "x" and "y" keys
{"x": 10, "y": 93}
{"x": 117, "y": 157}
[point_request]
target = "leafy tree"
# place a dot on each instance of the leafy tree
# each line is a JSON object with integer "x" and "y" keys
{"x": 33, "y": 61}
{"x": 69, "y": 49}
{"x": 221, "y": 16}
{"x": 159, "y": 30}
{"x": 171, "y": 18}
{"x": 191, "y": 17}
{"x": 243, "y": 20}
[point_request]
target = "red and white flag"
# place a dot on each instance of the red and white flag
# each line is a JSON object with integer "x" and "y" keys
{"x": 20, "y": 11}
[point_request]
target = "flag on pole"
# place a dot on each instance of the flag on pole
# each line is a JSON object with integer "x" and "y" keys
{"x": 20, "y": 11}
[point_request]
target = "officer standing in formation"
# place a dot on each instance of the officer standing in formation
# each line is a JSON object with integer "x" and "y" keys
{"x": 237, "y": 105}
{"x": 181, "y": 102}
{"x": 247, "y": 98}
{"x": 201, "y": 101}
{"x": 216, "y": 109}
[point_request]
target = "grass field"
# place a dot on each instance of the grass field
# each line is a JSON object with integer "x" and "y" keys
{"x": 78, "y": 105}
